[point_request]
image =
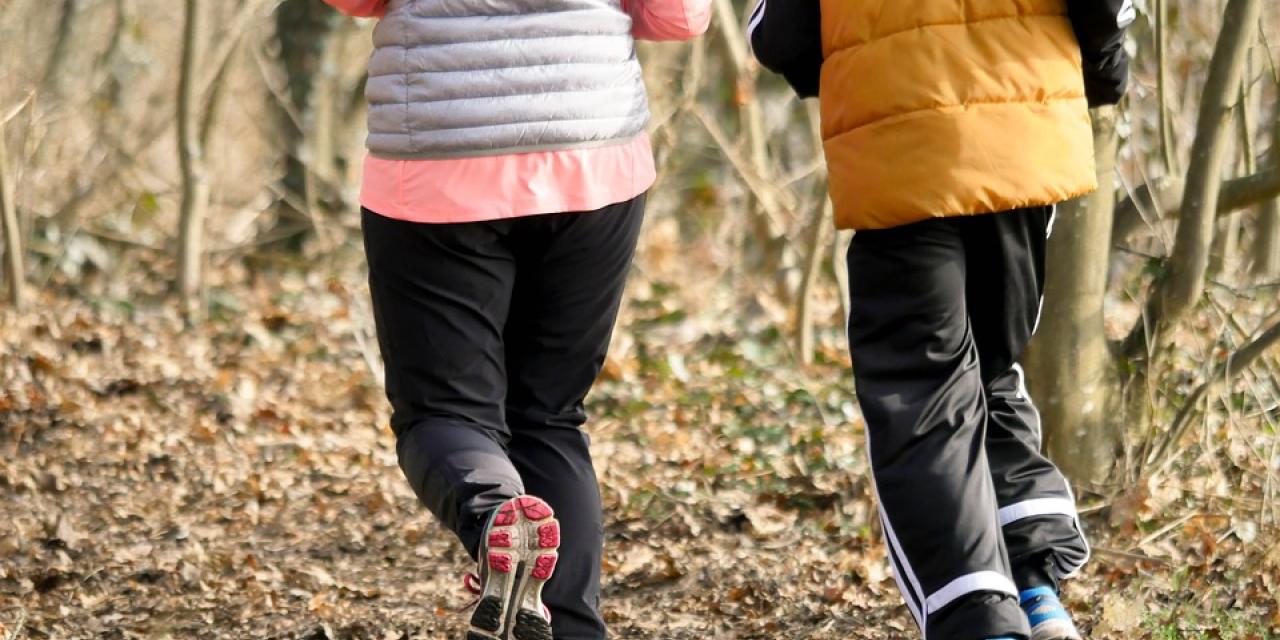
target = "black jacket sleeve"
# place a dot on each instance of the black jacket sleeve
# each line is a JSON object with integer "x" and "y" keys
{"x": 1100, "y": 27}
{"x": 786, "y": 36}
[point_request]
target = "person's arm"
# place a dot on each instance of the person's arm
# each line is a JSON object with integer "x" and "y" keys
{"x": 668, "y": 19}
{"x": 360, "y": 8}
{"x": 786, "y": 37}
{"x": 1100, "y": 27}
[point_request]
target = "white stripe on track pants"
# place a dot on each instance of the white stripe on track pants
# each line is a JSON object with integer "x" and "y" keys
{"x": 972, "y": 512}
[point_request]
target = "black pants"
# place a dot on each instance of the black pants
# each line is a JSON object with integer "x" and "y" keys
{"x": 492, "y": 334}
{"x": 973, "y": 513}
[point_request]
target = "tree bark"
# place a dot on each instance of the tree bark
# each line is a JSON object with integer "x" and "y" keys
{"x": 1184, "y": 281}
{"x": 1070, "y": 370}
{"x": 195, "y": 183}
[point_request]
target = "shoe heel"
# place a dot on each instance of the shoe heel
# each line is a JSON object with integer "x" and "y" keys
{"x": 531, "y": 626}
{"x": 487, "y": 617}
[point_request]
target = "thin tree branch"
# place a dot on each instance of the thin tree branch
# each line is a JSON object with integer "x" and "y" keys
{"x": 12, "y": 231}
{"x": 1235, "y": 194}
{"x": 778, "y": 203}
{"x": 195, "y": 184}
{"x": 1168, "y": 149}
{"x": 816, "y": 249}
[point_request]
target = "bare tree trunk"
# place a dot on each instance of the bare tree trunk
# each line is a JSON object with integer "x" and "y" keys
{"x": 195, "y": 182}
{"x": 1070, "y": 369}
{"x": 1266, "y": 243}
{"x": 12, "y": 230}
{"x": 1184, "y": 282}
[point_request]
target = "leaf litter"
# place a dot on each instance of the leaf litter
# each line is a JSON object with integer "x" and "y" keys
{"x": 238, "y": 480}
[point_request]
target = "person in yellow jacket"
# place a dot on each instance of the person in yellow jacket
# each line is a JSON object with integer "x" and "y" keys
{"x": 951, "y": 129}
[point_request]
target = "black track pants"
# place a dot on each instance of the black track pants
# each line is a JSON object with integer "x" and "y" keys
{"x": 973, "y": 513}
{"x": 492, "y": 334}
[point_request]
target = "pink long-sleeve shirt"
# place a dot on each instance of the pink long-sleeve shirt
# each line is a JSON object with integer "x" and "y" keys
{"x": 482, "y": 188}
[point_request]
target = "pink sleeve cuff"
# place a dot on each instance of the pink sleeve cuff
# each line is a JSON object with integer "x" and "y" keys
{"x": 668, "y": 19}
{"x": 360, "y": 8}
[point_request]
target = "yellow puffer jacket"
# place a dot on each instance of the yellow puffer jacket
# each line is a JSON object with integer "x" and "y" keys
{"x": 951, "y": 107}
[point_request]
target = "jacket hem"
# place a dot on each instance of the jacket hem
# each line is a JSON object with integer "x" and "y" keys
{"x": 506, "y": 151}
{"x": 905, "y": 220}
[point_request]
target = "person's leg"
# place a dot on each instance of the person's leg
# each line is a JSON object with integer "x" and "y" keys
{"x": 572, "y": 268}
{"x": 916, "y": 371}
{"x": 440, "y": 299}
{"x": 1006, "y": 263}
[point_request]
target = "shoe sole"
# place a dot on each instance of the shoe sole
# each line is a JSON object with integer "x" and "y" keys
{"x": 521, "y": 552}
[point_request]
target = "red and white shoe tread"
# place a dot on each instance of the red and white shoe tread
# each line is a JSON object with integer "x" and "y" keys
{"x": 520, "y": 550}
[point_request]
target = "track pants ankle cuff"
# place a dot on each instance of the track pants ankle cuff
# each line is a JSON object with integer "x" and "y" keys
{"x": 977, "y": 617}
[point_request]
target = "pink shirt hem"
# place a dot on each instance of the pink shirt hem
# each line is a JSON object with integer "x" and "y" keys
{"x": 510, "y": 186}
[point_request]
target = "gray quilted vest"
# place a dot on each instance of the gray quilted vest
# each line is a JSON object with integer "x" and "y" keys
{"x": 453, "y": 78}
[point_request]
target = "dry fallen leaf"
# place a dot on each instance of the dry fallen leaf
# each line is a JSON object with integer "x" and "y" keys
{"x": 1121, "y": 613}
{"x": 768, "y": 521}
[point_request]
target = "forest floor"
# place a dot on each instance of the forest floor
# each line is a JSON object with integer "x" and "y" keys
{"x": 238, "y": 481}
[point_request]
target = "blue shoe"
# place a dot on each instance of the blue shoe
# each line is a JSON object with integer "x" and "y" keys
{"x": 1049, "y": 619}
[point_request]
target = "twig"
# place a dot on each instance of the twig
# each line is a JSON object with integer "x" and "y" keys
{"x": 756, "y": 183}
{"x": 1093, "y": 508}
{"x": 229, "y": 41}
{"x": 1227, "y": 371}
{"x": 18, "y": 626}
{"x": 1269, "y": 491}
{"x": 16, "y": 109}
{"x": 1165, "y": 529}
{"x": 817, "y": 166}
{"x": 1140, "y": 557}
{"x": 116, "y": 238}
{"x": 1159, "y": 200}
{"x": 277, "y": 91}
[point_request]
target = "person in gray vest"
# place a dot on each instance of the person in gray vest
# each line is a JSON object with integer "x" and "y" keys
{"x": 503, "y": 194}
